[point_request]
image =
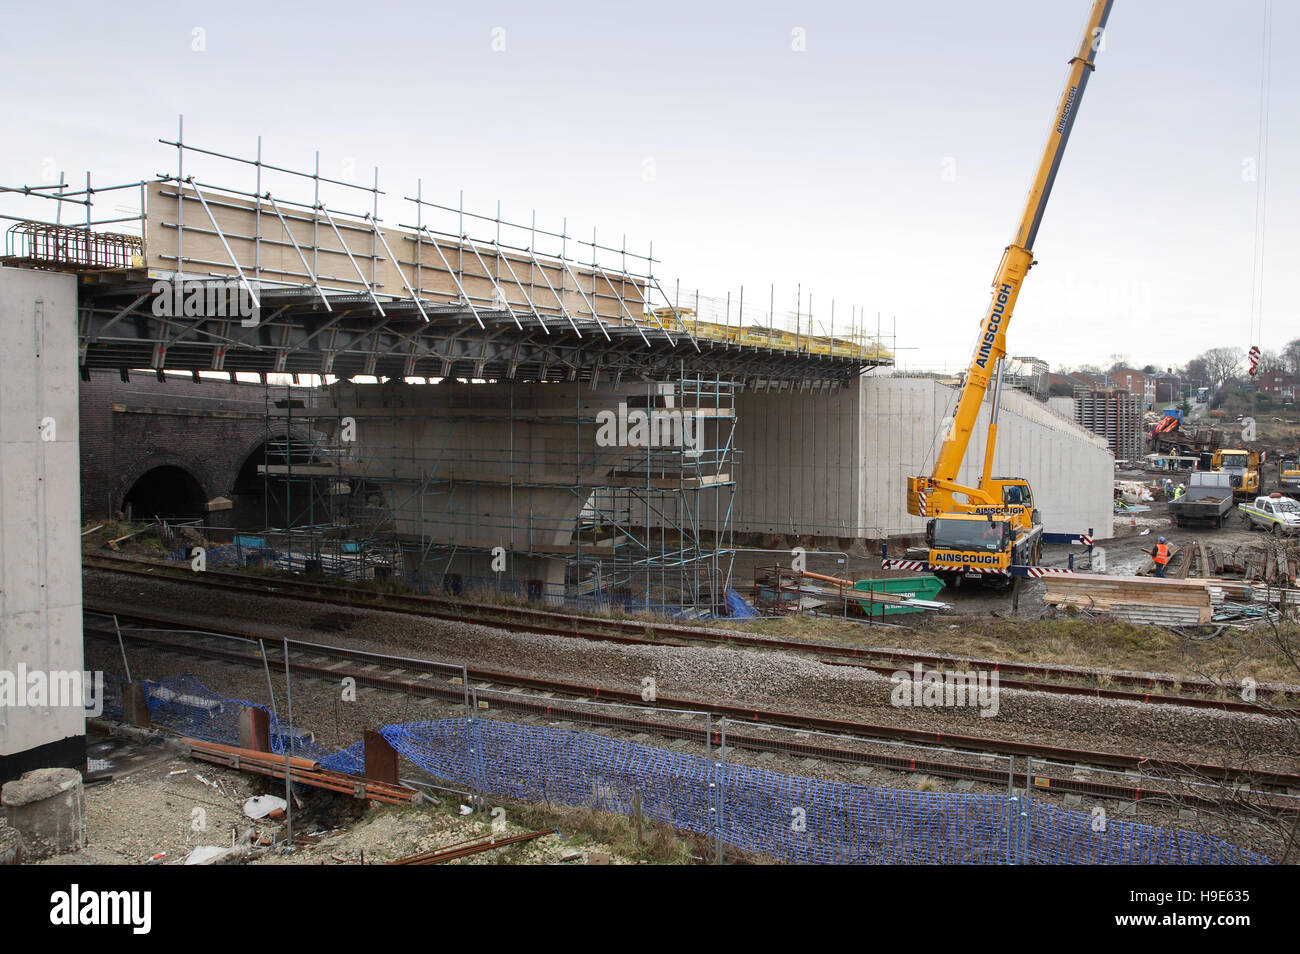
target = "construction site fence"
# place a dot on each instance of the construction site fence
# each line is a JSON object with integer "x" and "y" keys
{"x": 790, "y": 818}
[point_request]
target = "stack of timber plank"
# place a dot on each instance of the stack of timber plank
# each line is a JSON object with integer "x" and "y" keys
{"x": 1239, "y": 591}
{"x": 1137, "y": 599}
{"x": 1272, "y": 561}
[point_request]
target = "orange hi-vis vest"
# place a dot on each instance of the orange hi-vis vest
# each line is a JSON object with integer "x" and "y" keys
{"x": 1162, "y": 553}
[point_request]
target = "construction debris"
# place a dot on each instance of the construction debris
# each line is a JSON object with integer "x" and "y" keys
{"x": 1273, "y": 560}
{"x": 260, "y": 806}
{"x": 1266, "y": 591}
{"x": 1133, "y": 492}
{"x": 462, "y": 849}
{"x": 305, "y": 771}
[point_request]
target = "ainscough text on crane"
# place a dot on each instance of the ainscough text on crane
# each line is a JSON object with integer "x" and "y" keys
{"x": 995, "y": 321}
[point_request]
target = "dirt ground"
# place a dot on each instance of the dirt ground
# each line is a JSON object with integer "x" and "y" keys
{"x": 161, "y": 805}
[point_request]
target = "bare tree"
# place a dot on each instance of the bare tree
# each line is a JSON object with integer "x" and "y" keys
{"x": 1222, "y": 363}
{"x": 1291, "y": 355}
{"x": 1270, "y": 361}
{"x": 1197, "y": 373}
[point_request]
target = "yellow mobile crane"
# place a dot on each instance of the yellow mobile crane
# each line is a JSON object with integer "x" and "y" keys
{"x": 995, "y": 532}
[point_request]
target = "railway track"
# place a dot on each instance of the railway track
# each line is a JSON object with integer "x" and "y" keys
{"x": 1060, "y": 770}
{"x": 1141, "y": 688}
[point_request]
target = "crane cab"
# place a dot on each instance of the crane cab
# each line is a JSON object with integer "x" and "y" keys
{"x": 1017, "y": 501}
{"x": 1009, "y": 497}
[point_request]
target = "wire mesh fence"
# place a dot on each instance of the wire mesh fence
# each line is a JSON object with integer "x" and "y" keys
{"x": 791, "y": 818}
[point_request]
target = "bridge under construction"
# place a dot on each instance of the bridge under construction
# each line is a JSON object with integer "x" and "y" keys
{"x": 437, "y": 383}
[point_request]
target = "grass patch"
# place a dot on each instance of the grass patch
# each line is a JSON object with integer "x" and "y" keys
{"x": 659, "y": 844}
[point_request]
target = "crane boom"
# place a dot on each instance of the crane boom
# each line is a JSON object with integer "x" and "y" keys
{"x": 996, "y": 532}
{"x": 1016, "y": 262}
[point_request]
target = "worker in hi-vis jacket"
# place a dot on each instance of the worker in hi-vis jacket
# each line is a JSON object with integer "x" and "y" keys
{"x": 1160, "y": 554}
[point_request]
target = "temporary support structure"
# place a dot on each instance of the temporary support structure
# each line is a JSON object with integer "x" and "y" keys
{"x": 1114, "y": 414}
{"x": 535, "y": 491}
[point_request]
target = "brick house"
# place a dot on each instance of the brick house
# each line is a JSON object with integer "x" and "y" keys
{"x": 1135, "y": 383}
{"x": 1278, "y": 384}
{"x": 1169, "y": 388}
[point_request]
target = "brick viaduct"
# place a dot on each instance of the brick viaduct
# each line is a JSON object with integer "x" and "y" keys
{"x": 208, "y": 430}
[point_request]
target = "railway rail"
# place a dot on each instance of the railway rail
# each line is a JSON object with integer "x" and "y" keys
{"x": 1142, "y": 688}
{"x": 1157, "y": 780}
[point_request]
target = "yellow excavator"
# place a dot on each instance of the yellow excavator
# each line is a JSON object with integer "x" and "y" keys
{"x": 992, "y": 531}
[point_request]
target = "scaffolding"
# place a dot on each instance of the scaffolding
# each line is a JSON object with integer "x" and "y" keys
{"x": 301, "y": 244}
{"x": 509, "y": 490}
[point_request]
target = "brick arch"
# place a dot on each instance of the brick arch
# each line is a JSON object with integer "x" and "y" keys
{"x": 160, "y": 459}
{"x": 246, "y": 450}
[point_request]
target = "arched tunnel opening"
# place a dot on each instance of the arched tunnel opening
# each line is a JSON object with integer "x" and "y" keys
{"x": 267, "y": 492}
{"x": 167, "y": 492}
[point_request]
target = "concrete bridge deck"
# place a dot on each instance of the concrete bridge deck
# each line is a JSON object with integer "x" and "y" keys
{"x": 294, "y": 333}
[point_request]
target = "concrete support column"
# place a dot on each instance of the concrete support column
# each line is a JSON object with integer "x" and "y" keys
{"x": 40, "y": 539}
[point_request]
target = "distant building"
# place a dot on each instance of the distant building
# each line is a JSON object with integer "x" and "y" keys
{"x": 1135, "y": 383}
{"x": 1169, "y": 388}
{"x": 1278, "y": 384}
{"x": 1063, "y": 384}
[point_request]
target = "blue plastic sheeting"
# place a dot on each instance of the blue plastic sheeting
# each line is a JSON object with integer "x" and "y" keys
{"x": 230, "y": 554}
{"x": 738, "y": 607}
{"x": 794, "y": 819}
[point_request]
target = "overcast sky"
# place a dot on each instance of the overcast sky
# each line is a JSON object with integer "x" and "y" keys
{"x": 884, "y": 165}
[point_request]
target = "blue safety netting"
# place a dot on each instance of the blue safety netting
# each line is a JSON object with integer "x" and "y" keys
{"x": 792, "y": 818}
{"x": 796, "y": 819}
{"x": 186, "y": 706}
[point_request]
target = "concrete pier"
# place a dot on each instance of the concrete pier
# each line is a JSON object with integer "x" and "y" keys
{"x": 40, "y": 540}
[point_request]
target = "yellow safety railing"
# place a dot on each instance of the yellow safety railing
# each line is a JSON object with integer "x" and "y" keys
{"x": 683, "y": 319}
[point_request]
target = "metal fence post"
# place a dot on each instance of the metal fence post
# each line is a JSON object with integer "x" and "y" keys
{"x": 288, "y": 750}
{"x": 1013, "y": 813}
{"x": 122, "y": 646}
{"x": 270, "y": 687}
{"x": 720, "y": 770}
{"x": 476, "y": 798}
{"x": 1026, "y": 807}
